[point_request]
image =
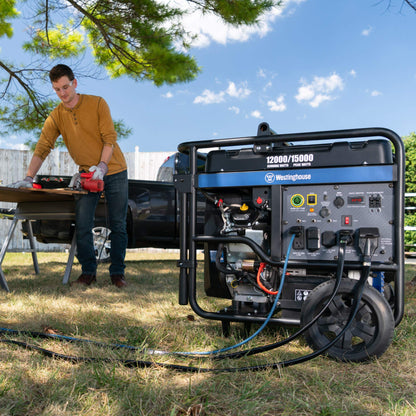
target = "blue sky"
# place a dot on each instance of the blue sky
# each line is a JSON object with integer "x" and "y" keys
{"x": 314, "y": 65}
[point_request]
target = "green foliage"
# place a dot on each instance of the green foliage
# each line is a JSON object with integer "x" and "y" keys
{"x": 7, "y": 11}
{"x": 239, "y": 12}
{"x": 131, "y": 38}
{"x": 410, "y": 149}
{"x": 62, "y": 42}
{"x": 410, "y": 179}
{"x": 22, "y": 117}
{"x": 122, "y": 130}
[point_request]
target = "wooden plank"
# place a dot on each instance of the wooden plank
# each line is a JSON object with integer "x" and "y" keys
{"x": 37, "y": 195}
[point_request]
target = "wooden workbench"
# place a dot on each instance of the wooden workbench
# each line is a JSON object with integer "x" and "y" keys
{"x": 37, "y": 195}
{"x": 25, "y": 197}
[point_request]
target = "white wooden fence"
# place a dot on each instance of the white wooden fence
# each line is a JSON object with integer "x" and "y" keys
{"x": 14, "y": 163}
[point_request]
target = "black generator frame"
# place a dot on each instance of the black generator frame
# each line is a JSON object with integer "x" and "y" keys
{"x": 187, "y": 186}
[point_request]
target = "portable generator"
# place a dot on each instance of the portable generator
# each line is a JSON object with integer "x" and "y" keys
{"x": 326, "y": 205}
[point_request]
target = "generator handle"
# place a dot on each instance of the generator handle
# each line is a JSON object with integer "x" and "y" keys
{"x": 295, "y": 137}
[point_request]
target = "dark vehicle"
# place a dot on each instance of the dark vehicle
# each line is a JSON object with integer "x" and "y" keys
{"x": 152, "y": 218}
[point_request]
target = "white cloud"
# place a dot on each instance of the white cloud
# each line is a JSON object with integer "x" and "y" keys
{"x": 209, "y": 97}
{"x": 366, "y": 32}
{"x": 261, "y": 73}
{"x": 167, "y": 95}
{"x": 278, "y": 105}
{"x": 319, "y": 90}
{"x": 353, "y": 73}
{"x": 241, "y": 92}
{"x": 209, "y": 28}
{"x": 234, "y": 91}
{"x": 7, "y": 143}
{"x": 267, "y": 76}
{"x": 319, "y": 99}
{"x": 376, "y": 93}
{"x": 234, "y": 109}
{"x": 256, "y": 114}
{"x": 17, "y": 146}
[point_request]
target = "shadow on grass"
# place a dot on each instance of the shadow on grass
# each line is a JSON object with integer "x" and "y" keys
{"x": 154, "y": 274}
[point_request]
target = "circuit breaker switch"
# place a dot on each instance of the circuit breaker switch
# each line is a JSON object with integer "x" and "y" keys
{"x": 311, "y": 199}
{"x": 313, "y": 238}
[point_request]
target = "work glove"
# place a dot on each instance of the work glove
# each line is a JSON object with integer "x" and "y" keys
{"x": 99, "y": 171}
{"x": 25, "y": 183}
{"x": 75, "y": 182}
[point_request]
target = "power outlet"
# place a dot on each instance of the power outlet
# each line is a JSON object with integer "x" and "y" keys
{"x": 299, "y": 240}
{"x": 348, "y": 235}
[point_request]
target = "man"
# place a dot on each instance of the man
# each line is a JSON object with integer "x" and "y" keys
{"x": 86, "y": 126}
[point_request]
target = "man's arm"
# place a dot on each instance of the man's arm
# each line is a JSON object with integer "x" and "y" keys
{"x": 106, "y": 153}
{"x": 34, "y": 166}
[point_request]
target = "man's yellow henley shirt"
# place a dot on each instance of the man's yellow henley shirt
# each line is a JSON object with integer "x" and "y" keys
{"x": 85, "y": 129}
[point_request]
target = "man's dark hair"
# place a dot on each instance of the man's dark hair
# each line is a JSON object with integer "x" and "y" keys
{"x": 59, "y": 71}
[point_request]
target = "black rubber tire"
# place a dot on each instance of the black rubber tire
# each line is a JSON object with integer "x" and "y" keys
{"x": 370, "y": 333}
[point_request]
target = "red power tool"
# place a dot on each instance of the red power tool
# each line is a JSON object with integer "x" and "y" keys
{"x": 89, "y": 184}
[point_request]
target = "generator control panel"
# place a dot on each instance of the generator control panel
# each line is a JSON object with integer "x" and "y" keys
{"x": 322, "y": 214}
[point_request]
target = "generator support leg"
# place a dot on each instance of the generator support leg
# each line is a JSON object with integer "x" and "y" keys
{"x": 70, "y": 261}
{"x": 226, "y": 328}
{"x": 192, "y": 264}
{"x": 32, "y": 246}
{"x": 183, "y": 274}
{"x": 6, "y": 243}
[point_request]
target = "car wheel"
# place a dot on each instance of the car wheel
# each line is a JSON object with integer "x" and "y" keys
{"x": 370, "y": 333}
{"x": 102, "y": 244}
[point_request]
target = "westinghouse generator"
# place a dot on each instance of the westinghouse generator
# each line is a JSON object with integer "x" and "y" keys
{"x": 299, "y": 230}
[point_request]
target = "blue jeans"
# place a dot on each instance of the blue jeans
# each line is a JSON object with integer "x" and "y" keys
{"x": 116, "y": 195}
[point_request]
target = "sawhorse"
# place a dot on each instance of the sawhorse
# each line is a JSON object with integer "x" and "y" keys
{"x": 32, "y": 249}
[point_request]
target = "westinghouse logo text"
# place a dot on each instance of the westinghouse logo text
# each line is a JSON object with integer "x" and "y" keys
{"x": 271, "y": 177}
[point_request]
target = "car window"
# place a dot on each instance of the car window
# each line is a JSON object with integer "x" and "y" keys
{"x": 178, "y": 163}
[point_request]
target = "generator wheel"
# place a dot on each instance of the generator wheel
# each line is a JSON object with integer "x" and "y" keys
{"x": 102, "y": 244}
{"x": 370, "y": 333}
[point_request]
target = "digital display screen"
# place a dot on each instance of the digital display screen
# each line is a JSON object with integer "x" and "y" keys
{"x": 356, "y": 200}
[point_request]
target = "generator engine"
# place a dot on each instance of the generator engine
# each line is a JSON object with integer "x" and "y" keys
{"x": 233, "y": 270}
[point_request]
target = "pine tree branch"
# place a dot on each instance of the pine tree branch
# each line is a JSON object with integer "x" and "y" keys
{"x": 410, "y": 4}
{"x": 31, "y": 93}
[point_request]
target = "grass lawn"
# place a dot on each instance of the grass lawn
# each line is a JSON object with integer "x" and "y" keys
{"x": 147, "y": 314}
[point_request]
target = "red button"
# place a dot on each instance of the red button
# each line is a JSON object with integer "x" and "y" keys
{"x": 259, "y": 200}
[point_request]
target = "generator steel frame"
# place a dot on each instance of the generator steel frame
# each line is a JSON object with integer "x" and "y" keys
{"x": 187, "y": 186}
